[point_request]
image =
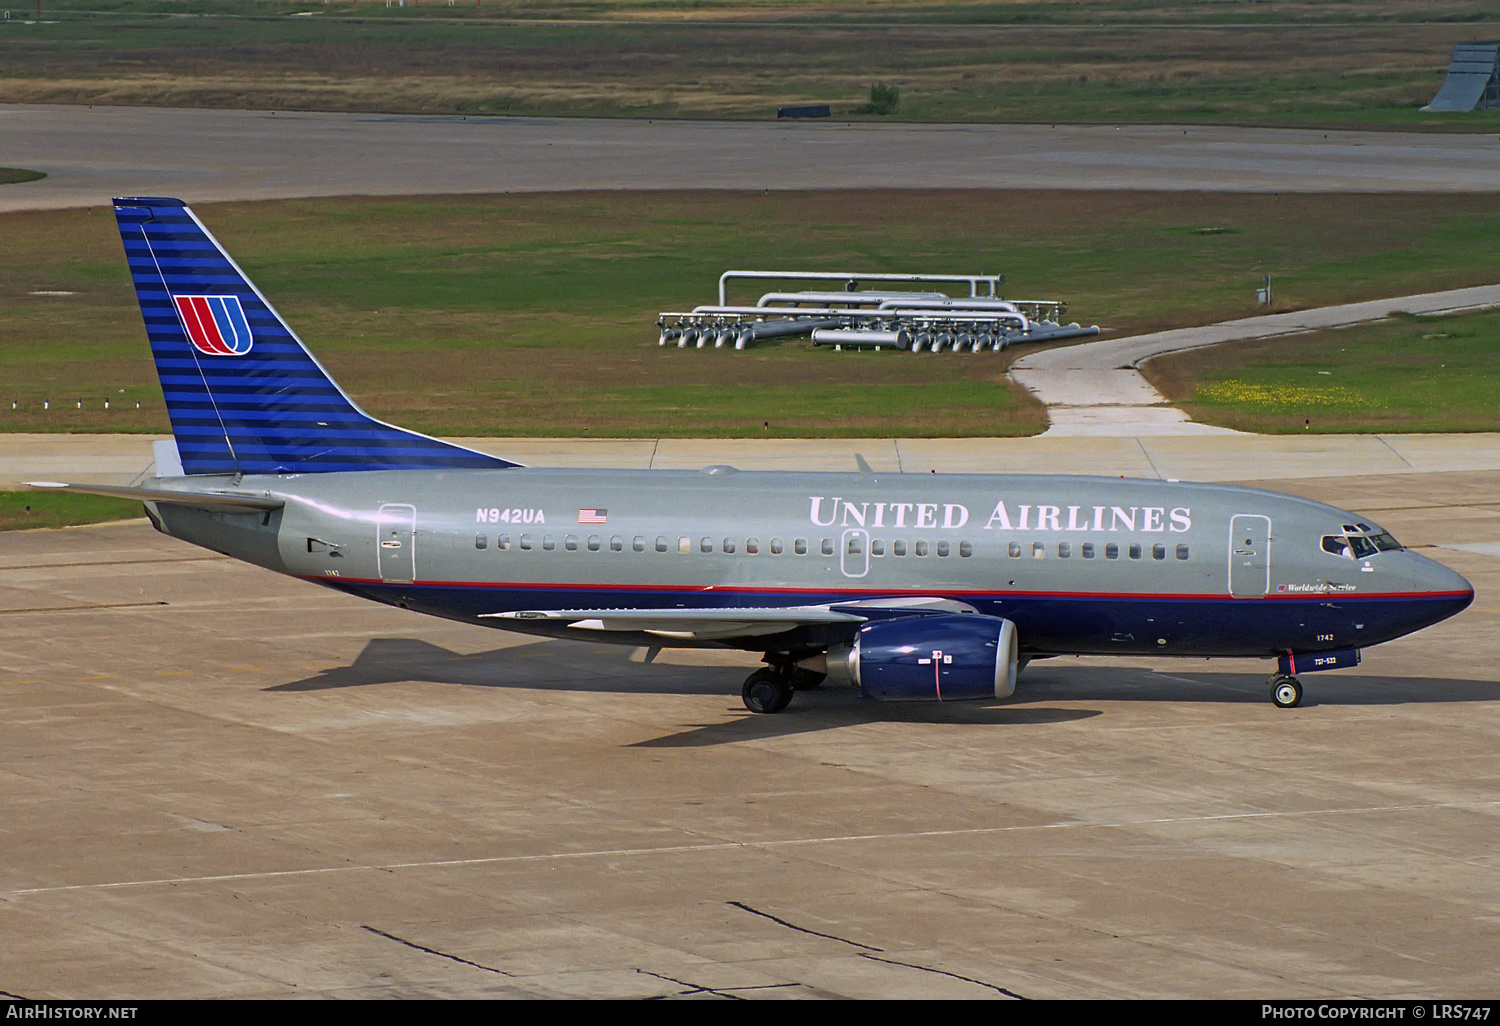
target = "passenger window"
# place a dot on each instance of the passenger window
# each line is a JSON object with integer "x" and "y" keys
{"x": 571, "y": 543}
{"x": 481, "y": 541}
{"x": 1135, "y": 552}
{"x": 752, "y": 546}
{"x": 827, "y": 547}
{"x": 593, "y": 543}
{"x": 942, "y": 548}
{"x": 1015, "y": 550}
{"x": 639, "y": 544}
{"x": 1038, "y": 550}
{"x": 1087, "y": 550}
{"x": 548, "y": 542}
{"x": 503, "y": 542}
{"x": 1182, "y": 552}
{"x": 1158, "y": 552}
{"x": 526, "y": 542}
{"x": 729, "y": 545}
{"x": 617, "y": 544}
{"x": 684, "y": 544}
{"x": 1064, "y": 550}
{"x": 661, "y": 544}
{"x": 966, "y": 549}
{"x": 919, "y": 548}
{"x": 855, "y": 548}
{"x": 1111, "y": 551}
{"x": 777, "y": 547}
{"x": 877, "y": 547}
{"x": 898, "y": 548}
{"x": 705, "y": 545}
{"x": 799, "y": 546}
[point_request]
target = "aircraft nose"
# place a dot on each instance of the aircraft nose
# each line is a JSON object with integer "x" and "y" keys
{"x": 1450, "y": 590}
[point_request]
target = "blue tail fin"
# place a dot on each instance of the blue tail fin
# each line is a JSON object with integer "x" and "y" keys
{"x": 243, "y": 393}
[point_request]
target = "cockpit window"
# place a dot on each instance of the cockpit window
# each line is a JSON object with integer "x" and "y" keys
{"x": 1358, "y": 546}
{"x": 1337, "y": 545}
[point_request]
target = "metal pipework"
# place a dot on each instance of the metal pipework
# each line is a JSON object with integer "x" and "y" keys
{"x": 954, "y": 304}
{"x": 991, "y": 282}
{"x": 861, "y": 337}
{"x": 881, "y": 298}
{"x": 883, "y": 314}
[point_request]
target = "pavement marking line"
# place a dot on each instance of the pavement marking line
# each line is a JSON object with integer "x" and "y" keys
{"x": 1394, "y": 452}
{"x": 731, "y": 846}
{"x": 74, "y": 609}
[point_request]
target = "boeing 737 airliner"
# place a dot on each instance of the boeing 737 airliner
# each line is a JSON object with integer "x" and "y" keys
{"x": 909, "y": 587}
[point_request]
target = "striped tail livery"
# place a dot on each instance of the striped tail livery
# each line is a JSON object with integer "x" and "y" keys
{"x": 243, "y": 394}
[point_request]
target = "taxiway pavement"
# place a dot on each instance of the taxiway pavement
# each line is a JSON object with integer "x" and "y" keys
{"x": 223, "y": 783}
{"x": 121, "y": 459}
{"x": 91, "y": 154}
{"x": 1096, "y": 389}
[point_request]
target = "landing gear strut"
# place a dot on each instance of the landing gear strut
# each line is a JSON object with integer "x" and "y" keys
{"x": 1286, "y": 691}
{"x": 767, "y": 691}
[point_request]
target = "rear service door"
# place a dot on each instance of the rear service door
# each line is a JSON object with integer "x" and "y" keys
{"x": 1249, "y": 555}
{"x": 396, "y": 537}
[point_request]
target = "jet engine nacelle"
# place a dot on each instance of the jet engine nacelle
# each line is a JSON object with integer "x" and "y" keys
{"x": 936, "y": 657}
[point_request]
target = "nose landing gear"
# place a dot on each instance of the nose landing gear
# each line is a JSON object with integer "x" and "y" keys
{"x": 1286, "y": 691}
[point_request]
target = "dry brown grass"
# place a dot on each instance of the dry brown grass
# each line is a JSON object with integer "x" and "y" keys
{"x": 1145, "y": 62}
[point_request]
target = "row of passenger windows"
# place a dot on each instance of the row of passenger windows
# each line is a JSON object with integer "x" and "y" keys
{"x": 1088, "y": 550}
{"x": 752, "y": 547}
{"x": 878, "y": 546}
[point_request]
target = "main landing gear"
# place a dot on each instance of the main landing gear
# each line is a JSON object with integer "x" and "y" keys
{"x": 770, "y": 688}
{"x": 1286, "y": 691}
{"x": 767, "y": 691}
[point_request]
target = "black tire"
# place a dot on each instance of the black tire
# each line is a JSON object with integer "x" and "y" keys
{"x": 766, "y": 691}
{"x": 1286, "y": 692}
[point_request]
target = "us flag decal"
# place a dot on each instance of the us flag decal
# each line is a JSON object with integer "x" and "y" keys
{"x": 593, "y": 516}
{"x": 216, "y": 325}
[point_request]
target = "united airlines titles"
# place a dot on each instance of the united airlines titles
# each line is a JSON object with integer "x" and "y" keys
{"x": 831, "y": 511}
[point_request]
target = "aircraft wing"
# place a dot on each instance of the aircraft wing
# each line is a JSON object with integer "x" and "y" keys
{"x": 225, "y": 502}
{"x": 707, "y": 624}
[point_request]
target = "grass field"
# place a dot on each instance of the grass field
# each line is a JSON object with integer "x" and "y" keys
{"x": 533, "y": 315}
{"x": 1406, "y": 374}
{"x": 16, "y": 175}
{"x": 21, "y": 511}
{"x": 1370, "y": 63}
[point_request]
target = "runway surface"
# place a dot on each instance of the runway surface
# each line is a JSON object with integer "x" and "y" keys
{"x": 94, "y": 153}
{"x": 223, "y": 783}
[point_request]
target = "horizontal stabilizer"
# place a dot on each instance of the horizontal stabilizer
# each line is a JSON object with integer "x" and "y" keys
{"x": 226, "y": 502}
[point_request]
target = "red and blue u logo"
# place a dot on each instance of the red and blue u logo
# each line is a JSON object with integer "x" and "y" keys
{"x": 216, "y": 325}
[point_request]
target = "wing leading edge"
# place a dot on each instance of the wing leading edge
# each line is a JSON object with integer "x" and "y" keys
{"x": 745, "y": 621}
